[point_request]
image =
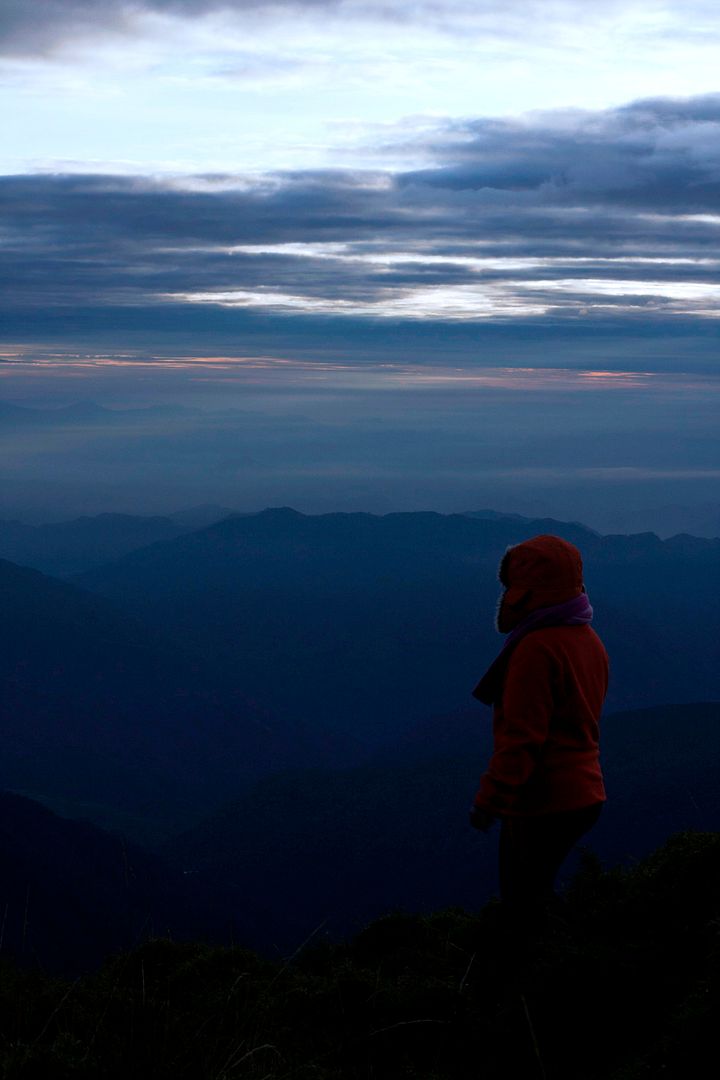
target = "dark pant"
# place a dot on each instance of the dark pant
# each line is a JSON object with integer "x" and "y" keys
{"x": 532, "y": 850}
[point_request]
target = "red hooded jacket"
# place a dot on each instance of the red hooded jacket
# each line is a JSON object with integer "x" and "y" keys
{"x": 546, "y": 755}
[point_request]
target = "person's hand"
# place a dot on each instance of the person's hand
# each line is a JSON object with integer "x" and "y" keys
{"x": 481, "y": 819}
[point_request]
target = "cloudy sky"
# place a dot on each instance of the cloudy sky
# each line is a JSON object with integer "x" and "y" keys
{"x": 473, "y": 225}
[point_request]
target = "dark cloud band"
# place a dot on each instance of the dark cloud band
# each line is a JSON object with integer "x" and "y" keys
{"x": 613, "y": 214}
{"x": 40, "y": 27}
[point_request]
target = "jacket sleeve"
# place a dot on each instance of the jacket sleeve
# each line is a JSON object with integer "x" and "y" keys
{"x": 521, "y": 727}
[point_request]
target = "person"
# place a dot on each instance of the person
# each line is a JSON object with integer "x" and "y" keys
{"x": 547, "y": 686}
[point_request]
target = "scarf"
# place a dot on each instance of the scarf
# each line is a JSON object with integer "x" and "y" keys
{"x": 575, "y": 612}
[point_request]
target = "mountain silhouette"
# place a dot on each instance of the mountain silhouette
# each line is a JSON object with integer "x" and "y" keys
{"x": 364, "y": 624}
{"x": 102, "y": 712}
{"x": 70, "y": 893}
{"x": 68, "y": 547}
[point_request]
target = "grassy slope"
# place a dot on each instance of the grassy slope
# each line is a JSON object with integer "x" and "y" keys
{"x": 626, "y": 988}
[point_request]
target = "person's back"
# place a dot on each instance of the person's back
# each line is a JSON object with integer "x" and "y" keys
{"x": 546, "y": 725}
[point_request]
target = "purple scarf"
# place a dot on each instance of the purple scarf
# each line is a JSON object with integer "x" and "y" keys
{"x": 575, "y": 612}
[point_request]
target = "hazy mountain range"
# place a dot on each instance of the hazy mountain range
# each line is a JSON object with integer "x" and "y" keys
{"x": 83, "y": 457}
{"x": 364, "y": 625}
{"x": 278, "y": 705}
{"x": 67, "y": 547}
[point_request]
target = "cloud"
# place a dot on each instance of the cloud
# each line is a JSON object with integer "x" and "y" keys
{"x": 567, "y": 215}
{"x": 42, "y": 27}
{"x": 658, "y": 154}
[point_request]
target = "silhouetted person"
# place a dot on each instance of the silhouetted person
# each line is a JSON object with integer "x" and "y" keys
{"x": 547, "y": 688}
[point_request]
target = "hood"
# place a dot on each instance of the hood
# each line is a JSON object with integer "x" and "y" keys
{"x": 540, "y": 572}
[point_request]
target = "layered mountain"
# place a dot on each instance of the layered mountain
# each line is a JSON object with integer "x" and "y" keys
{"x": 700, "y": 519}
{"x": 219, "y": 666}
{"x": 323, "y": 851}
{"x": 102, "y": 717}
{"x": 365, "y": 624}
{"x": 69, "y": 547}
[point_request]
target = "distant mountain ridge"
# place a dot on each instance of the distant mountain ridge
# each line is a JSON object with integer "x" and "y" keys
{"x": 496, "y": 515}
{"x": 200, "y": 664}
{"x": 366, "y": 623}
{"x": 701, "y": 519}
{"x": 73, "y": 546}
{"x": 69, "y": 547}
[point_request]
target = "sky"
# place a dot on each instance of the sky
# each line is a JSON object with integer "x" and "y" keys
{"x": 370, "y": 256}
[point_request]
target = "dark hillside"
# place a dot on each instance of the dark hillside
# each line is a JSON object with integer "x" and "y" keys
{"x": 105, "y": 718}
{"x": 350, "y": 845}
{"x": 626, "y": 986}
{"x": 70, "y": 894}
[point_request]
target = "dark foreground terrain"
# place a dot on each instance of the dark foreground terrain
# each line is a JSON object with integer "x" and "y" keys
{"x": 625, "y": 986}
